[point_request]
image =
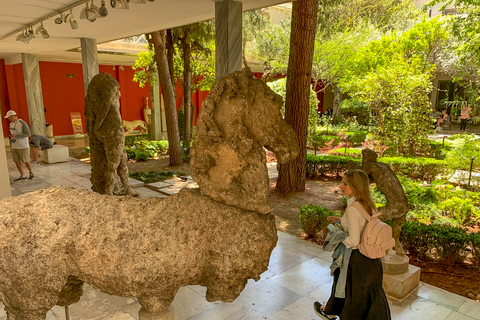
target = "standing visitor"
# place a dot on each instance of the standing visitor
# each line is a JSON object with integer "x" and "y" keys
{"x": 464, "y": 116}
{"x": 19, "y": 133}
{"x": 361, "y": 287}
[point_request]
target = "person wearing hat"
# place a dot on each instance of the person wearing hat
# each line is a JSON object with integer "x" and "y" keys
{"x": 19, "y": 133}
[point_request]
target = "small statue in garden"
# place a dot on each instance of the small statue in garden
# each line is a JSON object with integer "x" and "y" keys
{"x": 106, "y": 137}
{"x": 387, "y": 182}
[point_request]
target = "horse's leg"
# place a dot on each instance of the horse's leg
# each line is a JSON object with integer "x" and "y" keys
{"x": 29, "y": 305}
{"x": 397, "y": 224}
{"x": 155, "y": 304}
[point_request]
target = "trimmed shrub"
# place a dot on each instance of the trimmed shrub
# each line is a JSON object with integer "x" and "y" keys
{"x": 416, "y": 239}
{"x": 425, "y": 169}
{"x": 314, "y": 218}
{"x": 450, "y": 244}
{"x": 328, "y": 165}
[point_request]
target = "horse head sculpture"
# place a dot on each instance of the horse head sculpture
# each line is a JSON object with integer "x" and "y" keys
{"x": 240, "y": 115}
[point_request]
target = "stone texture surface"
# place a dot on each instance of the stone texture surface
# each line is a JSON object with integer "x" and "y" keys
{"x": 387, "y": 182}
{"x": 61, "y": 232}
{"x": 394, "y": 263}
{"x": 56, "y": 154}
{"x": 106, "y": 137}
{"x": 240, "y": 115}
{"x": 399, "y": 286}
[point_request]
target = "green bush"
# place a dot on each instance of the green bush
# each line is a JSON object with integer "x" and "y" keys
{"x": 341, "y": 152}
{"x": 129, "y": 140}
{"x": 324, "y": 140}
{"x": 450, "y": 244}
{"x": 425, "y": 169}
{"x": 459, "y": 210}
{"x": 314, "y": 218}
{"x": 328, "y": 165}
{"x": 474, "y": 242}
{"x": 416, "y": 239}
{"x": 142, "y": 150}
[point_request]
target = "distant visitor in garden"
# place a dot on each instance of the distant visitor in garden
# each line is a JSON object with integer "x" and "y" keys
{"x": 464, "y": 116}
{"x": 357, "y": 291}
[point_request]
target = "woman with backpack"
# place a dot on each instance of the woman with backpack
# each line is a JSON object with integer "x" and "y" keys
{"x": 363, "y": 295}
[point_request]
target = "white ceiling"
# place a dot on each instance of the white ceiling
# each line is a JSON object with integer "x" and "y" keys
{"x": 120, "y": 23}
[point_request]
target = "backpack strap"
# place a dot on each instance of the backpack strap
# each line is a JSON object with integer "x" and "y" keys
{"x": 364, "y": 213}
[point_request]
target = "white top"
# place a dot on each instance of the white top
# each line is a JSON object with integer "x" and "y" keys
{"x": 354, "y": 223}
{"x": 22, "y": 132}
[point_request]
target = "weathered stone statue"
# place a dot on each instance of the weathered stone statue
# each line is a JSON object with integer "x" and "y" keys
{"x": 61, "y": 235}
{"x": 387, "y": 182}
{"x": 106, "y": 137}
{"x": 239, "y": 116}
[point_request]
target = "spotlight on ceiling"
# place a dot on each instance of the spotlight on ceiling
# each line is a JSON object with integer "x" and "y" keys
{"x": 42, "y": 31}
{"x": 103, "y": 10}
{"x": 89, "y": 13}
{"x": 119, "y": 4}
{"x": 26, "y": 36}
{"x": 59, "y": 20}
{"x": 71, "y": 19}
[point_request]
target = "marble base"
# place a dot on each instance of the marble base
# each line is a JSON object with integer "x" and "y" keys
{"x": 56, "y": 154}
{"x": 394, "y": 263}
{"x": 399, "y": 286}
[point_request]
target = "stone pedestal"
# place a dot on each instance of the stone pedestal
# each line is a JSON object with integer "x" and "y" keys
{"x": 399, "y": 277}
{"x": 56, "y": 154}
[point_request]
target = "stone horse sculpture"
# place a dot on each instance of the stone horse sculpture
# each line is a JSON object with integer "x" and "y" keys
{"x": 53, "y": 240}
{"x": 387, "y": 182}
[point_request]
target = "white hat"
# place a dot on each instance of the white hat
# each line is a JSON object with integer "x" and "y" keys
{"x": 10, "y": 113}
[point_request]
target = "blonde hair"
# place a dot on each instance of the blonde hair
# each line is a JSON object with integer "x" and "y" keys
{"x": 360, "y": 184}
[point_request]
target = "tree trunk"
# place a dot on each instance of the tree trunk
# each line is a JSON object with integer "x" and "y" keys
{"x": 168, "y": 91}
{"x": 292, "y": 175}
{"x": 337, "y": 99}
{"x": 170, "y": 53}
{"x": 187, "y": 92}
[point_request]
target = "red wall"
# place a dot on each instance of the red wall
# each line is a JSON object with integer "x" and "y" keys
{"x": 63, "y": 94}
{"x": 5, "y": 101}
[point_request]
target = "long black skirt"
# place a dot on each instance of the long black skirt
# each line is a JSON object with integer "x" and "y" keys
{"x": 364, "y": 295}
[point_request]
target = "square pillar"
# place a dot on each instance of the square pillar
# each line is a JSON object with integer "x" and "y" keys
{"x": 33, "y": 89}
{"x": 228, "y": 37}
{"x": 89, "y": 60}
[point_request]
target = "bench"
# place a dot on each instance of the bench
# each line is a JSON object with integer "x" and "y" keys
{"x": 56, "y": 154}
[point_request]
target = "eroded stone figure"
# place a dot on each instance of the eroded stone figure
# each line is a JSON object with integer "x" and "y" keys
{"x": 239, "y": 116}
{"x": 387, "y": 182}
{"x": 63, "y": 235}
{"x": 106, "y": 137}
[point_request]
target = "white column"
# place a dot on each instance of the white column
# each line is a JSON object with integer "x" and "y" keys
{"x": 228, "y": 37}
{"x": 33, "y": 89}
{"x": 5, "y": 191}
{"x": 89, "y": 60}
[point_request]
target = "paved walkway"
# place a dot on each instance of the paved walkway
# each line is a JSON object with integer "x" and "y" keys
{"x": 298, "y": 274}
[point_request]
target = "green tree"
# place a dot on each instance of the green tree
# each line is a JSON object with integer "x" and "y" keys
{"x": 159, "y": 42}
{"x": 292, "y": 175}
{"x": 194, "y": 41}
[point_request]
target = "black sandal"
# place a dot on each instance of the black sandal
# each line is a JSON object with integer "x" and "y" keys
{"x": 317, "y": 307}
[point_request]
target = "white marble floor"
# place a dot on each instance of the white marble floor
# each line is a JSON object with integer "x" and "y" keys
{"x": 298, "y": 275}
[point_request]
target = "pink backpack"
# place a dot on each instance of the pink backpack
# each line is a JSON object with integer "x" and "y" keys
{"x": 376, "y": 240}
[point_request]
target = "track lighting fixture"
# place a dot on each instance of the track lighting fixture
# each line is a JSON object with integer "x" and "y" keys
{"x": 59, "y": 20}
{"x": 71, "y": 19}
{"x": 119, "y": 4}
{"x": 90, "y": 12}
{"x": 42, "y": 31}
{"x": 103, "y": 10}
